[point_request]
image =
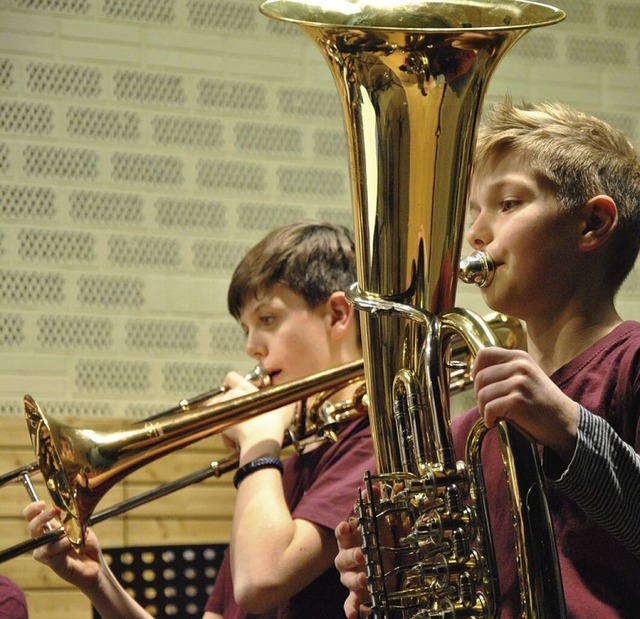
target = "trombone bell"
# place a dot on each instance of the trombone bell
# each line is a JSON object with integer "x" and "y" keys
{"x": 54, "y": 452}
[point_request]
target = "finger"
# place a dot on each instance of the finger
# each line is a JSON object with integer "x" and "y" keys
{"x": 493, "y": 356}
{"x": 232, "y": 377}
{"x": 235, "y": 380}
{"x": 484, "y": 358}
{"x": 55, "y": 553}
{"x": 356, "y": 582}
{"x": 349, "y": 559}
{"x": 343, "y": 531}
{"x": 499, "y": 390}
{"x": 490, "y": 393}
{"x": 33, "y": 509}
{"x": 351, "y": 608}
{"x": 229, "y": 443}
{"x": 494, "y": 374}
{"x": 363, "y": 611}
{"x": 354, "y": 607}
{"x": 504, "y": 408}
{"x": 495, "y": 408}
{"x": 348, "y": 534}
{"x": 45, "y": 521}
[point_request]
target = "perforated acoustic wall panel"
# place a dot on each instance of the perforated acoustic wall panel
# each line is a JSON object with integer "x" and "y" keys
{"x": 146, "y": 144}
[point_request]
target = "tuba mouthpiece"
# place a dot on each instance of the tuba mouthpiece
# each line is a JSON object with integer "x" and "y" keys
{"x": 477, "y": 268}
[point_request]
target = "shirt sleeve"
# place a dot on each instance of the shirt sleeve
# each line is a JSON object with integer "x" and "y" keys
{"x": 332, "y": 496}
{"x": 603, "y": 478}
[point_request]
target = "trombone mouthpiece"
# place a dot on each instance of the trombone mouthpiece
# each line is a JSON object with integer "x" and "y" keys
{"x": 477, "y": 268}
{"x": 259, "y": 377}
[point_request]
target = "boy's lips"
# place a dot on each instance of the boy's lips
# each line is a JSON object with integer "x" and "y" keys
{"x": 272, "y": 375}
{"x": 497, "y": 269}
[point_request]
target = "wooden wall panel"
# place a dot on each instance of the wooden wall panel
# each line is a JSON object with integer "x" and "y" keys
{"x": 58, "y": 605}
{"x": 200, "y": 513}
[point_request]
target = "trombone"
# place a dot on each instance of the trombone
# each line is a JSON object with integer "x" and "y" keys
{"x": 80, "y": 465}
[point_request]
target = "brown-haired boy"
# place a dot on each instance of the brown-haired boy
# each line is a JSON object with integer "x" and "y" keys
{"x": 287, "y": 294}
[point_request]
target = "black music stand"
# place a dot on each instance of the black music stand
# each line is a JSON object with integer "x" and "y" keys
{"x": 168, "y": 581}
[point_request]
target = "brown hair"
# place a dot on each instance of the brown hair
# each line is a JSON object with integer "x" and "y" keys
{"x": 310, "y": 258}
{"x": 579, "y": 156}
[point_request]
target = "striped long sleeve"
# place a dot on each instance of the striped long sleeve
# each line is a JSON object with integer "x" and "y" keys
{"x": 603, "y": 478}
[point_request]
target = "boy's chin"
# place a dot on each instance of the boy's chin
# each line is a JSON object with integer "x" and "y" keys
{"x": 492, "y": 299}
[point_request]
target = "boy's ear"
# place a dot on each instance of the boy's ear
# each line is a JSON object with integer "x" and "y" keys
{"x": 600, "y": 220}
{"x": 341, "y": 312}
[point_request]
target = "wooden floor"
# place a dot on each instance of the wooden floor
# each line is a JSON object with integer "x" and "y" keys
{"x": 200, "y": 513}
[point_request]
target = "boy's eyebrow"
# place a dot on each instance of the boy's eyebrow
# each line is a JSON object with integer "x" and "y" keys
{"x": 493, "y": 187}
{"x": 503, "y": 183}
{"x": 253, "y": 309}
{"x": 516, "y": 180}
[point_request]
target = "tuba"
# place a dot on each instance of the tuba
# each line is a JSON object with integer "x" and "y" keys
{"x": 411, "y": 76}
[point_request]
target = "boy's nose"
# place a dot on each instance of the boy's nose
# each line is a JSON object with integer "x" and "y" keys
{"x": 255, "y": 349}
{"x": 477, "y": 234}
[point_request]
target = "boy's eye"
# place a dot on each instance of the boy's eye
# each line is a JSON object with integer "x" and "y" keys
{"x": 266, "y": 320}
{"x": 509, "y": 203}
